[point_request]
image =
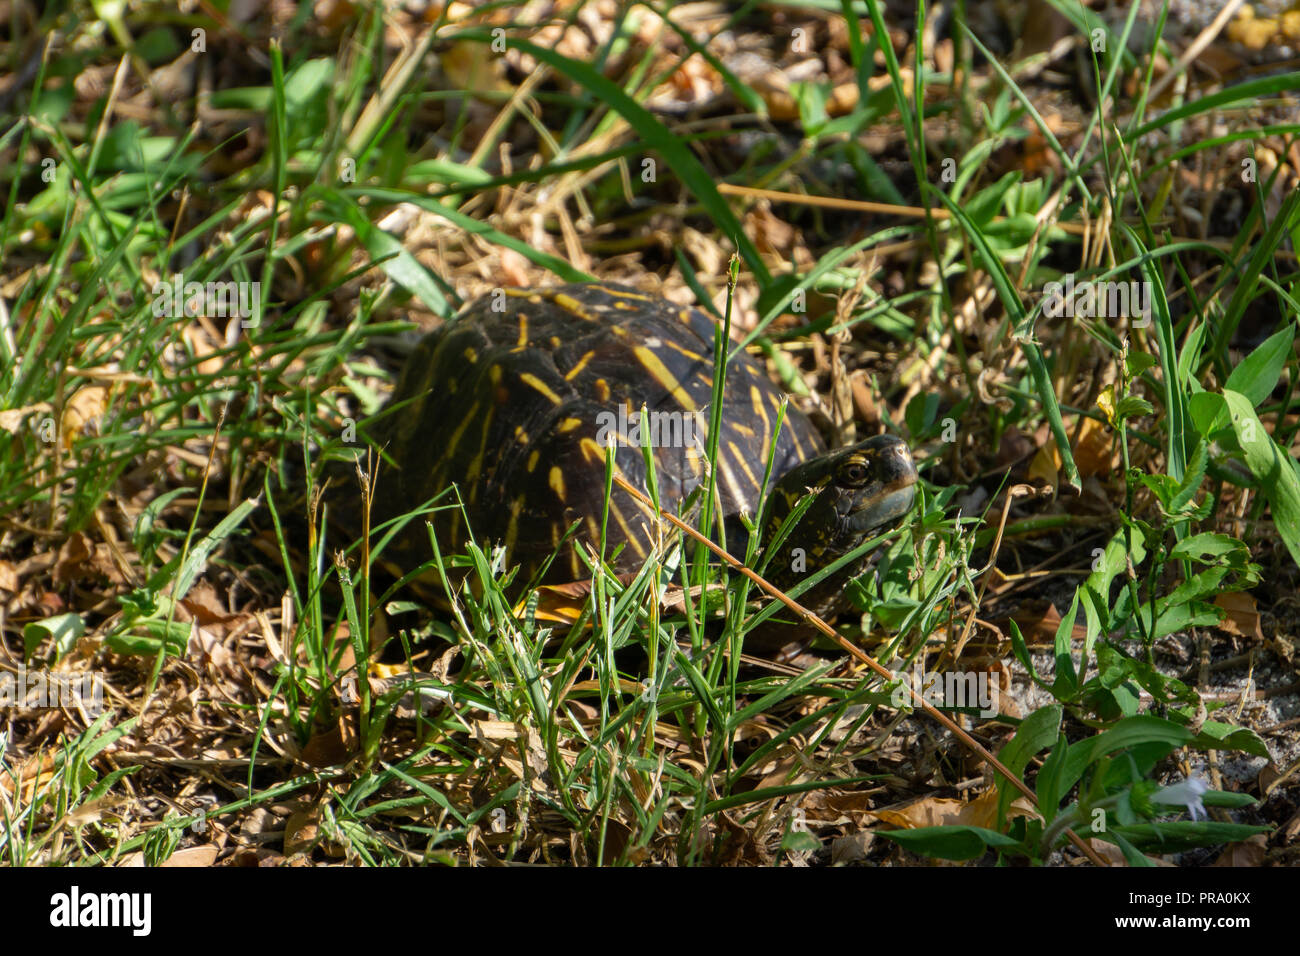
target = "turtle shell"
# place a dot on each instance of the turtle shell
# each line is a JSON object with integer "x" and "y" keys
{"x": 516, "y": 400}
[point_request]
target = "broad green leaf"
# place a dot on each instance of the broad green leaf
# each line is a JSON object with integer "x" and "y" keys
{"x": 1192, "y": 476}
{"x": 1208, "y": 412}
{"x": 1217, "y": 735}
{"x": 1206, "y": 546}
{"x": 1048, "y": 782}
{"x": 1180, "y": 835}
{"x": 1179, "y": 617}
{"x": 1096, "y": 588}
{"x": 160, "y": 634}
{"x": 1257, "y": 375}
{"x": 797, "y": 841}
{"x": 1128, "y": 732}
{"x": 63, "y": 629}
{"x": 949, "y": 843}
{"x": 1067, "y": 680}
{"x": 1271, "y": 466}
{"x": 1035, "y": 734}
{"x": 1021, "y": 650}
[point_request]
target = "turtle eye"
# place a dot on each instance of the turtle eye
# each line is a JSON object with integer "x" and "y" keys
{"x": 856, "y": 473}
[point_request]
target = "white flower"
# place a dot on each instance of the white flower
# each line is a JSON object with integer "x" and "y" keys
{"x": 1187, "y": 794}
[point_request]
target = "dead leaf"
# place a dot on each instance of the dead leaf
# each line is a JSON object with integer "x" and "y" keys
{"x": 472, "y": 66}
{"x": 1115, "y": 856}
{"x": 204, "y": 646}
{"x": 944, "y": 811}
{"x": 851, "y": 848}
{"x": 83, "y": 409}
{"x": 1092, "y": 451}
{"x": 1242, "y": 614}
{"x": 73, "y": 556}
{"x": 494, "y": 730}
{"x": 11, "y": 419}
{"x": 332, "y": 746}
{"x": 301, "y": 832}
{"x": 81, "y": 558}
{"x": 1046, "y": 466}
{"x": 772, "y": 233}
{"x": 1250, "y": 852}
{"x": 1285, "y": 647}
{"x": 983, "y": 810}
{"x": 192, "y": 856}
{"x": 8, "y": 577}
{"x": 207, "y": 607}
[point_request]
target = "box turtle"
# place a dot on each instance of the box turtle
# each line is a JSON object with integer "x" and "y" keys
{"x": 517, "y": 398}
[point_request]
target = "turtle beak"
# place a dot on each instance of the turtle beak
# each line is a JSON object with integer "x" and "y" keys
{"x": 890, "y": 496}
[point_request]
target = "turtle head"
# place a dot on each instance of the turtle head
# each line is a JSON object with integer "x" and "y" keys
{"x": 858, "y": 491}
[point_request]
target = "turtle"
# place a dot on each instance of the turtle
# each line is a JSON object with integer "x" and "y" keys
{"x": 518, "y": 399}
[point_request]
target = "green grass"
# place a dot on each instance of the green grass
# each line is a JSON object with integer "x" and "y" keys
{"x": 634, "y": 734}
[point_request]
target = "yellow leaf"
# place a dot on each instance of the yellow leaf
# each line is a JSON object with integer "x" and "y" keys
{"x": 1106, "y": 402}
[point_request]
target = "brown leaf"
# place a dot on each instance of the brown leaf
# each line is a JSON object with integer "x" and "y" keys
{"x": 563, "y": 603}
{"x": 1242, "y": 614}
{"x": 332, "y": 746}
{"x": 8, "y": 577}
{"x": 51, "y": 603}
{"x": 983, "y": 810}
{"x": 772, "y": 233}
{"x": 82, "y": 410}
{"x": 1046, "y": 466}
{"x": 933, "y": 812}
{"x": 472, "y": 66}
{"x": 205, "y": 646}
{"x": 204, "y": 855}
{"x": 1092, "y": 451}
{"x": 851, "y": 848}
{"x": 12, "y": 419}
{"x": 301, "y": 832}
{"x": 1115, "y": 856}
{"x": 1285, "y": 648}
{"x": 73, "y": 557}
{"x": 207, "y": 607}
{"x": 1250, "y": 852}
{"x": 81, "y": 558}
